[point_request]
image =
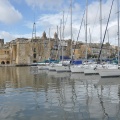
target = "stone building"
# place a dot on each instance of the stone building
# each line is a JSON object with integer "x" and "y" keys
{"x": 4, "y": 53}
{"x": 93, "y": 50}
{"x": 107, "y": 50}
{"x": 22, "y": 51}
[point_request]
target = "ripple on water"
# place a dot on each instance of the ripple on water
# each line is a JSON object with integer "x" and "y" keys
{"x": 37, "y": 95}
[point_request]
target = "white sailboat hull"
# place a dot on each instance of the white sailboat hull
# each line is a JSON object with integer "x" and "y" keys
{"x": 109, "y": 73}
{"x": 76, "y": 69}
{"x": 62, "y": 68}
{"x": 95, "y": 69}
{"x": 90, "y": 71}
{"x": 52, "y": 68}
{"x": 42, "y": 67}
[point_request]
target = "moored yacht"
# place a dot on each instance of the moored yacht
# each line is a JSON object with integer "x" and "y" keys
{"x": 110, "y": 73}
{"x": 52, "y": 67}
{"x": 63, "y": 66}
{"x": 98, "y": 68}
{"x": 43, "y": 66}
{"x": 77, "y": 66}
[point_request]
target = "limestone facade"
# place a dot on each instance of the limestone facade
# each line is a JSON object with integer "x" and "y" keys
{"x": 22, "y": 51}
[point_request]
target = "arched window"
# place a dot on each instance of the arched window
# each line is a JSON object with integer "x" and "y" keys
{"x": 2, "y": 62}
{"x": 7, "y": 62}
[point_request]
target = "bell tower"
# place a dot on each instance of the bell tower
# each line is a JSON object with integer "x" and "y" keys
{"x": 1, "y": 42}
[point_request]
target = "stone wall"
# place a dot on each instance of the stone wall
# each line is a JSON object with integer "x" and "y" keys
{"x": 22, "y": 55}
{"x": 5, "y": 56}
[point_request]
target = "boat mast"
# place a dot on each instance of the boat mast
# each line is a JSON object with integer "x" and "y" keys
{"x": 90, "y": 35}
{"x": 63, "y": 36}
{"x": 71, "y": 32}
{"x": 90, "y": 39}
{"x": 118, "y": 33}
{"x": 109, "y": 45}
{"x": 60, "y": 39}
{"x": 100, "y": 27}
{"x": 86, "y": 29}
{"x": 57, "y": 44}
{"x": 105, "y": 32}
{"x": 49, "y": 46}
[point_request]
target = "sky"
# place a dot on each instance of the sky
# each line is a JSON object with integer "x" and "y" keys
{"x": 17, "y": 18}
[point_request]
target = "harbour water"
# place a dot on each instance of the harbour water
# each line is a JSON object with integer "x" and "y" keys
{"x": 27, "y": 93}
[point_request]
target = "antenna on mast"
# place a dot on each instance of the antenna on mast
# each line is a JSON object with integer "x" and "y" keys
{"x": 34, "y": 29}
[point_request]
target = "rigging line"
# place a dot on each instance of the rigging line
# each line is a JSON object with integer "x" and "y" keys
{"x": 67, "y": 16}
{"x": 105, "y": 20}
{"x": 105, "y": 32}
{"x": 95, "y": 20}
{"x": 79, "y": 32}
{"x": 80, "y": 26}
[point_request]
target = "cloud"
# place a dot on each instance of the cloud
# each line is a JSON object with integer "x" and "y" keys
{"x": 8, "y": 14}
{"x": 52, "y": 20}
{"x": 6, "y": 36}
{"x": 45, "y": 4}
{"x": 10, "y": 36}
{"x": 94, "y": 19}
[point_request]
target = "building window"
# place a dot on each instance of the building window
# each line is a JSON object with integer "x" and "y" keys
{"x": 34, "y": 49}
{"x": 34, "y": 55}
{"x": 34, "y": 61}
{"x": 7, "y": 52}
{"x": 7, "y": 62}
{"x": 2, "y": 62}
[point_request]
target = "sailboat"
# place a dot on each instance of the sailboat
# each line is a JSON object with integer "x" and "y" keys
{"x": 64, "y": 67}
{"x": 101, "y": 68}
{"x": 80, "y": 68}
{"x": 52, "y": 65}
{"x": 115, "y": 71}
{"x": 91, "y": 69}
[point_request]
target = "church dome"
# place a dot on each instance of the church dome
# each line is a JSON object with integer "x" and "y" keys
{"x": 44, "y": 35}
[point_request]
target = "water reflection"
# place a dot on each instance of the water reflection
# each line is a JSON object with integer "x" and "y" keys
{"x": 31, "y": 94}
